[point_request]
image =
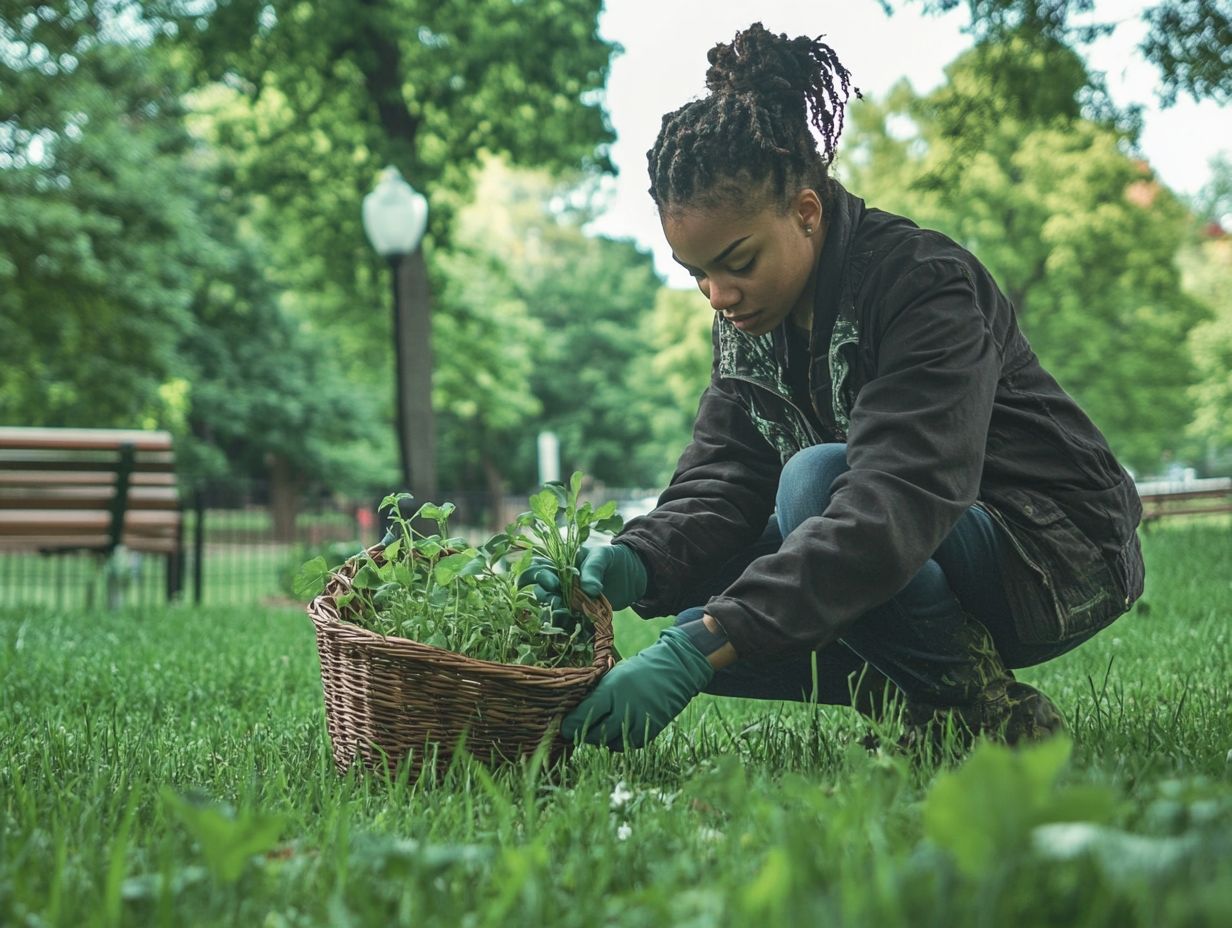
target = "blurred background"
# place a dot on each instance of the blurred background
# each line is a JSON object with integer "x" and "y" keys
{"x": 183, "y": 243}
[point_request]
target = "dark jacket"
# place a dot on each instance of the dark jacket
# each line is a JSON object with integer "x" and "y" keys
{"x": 918, "y": 364}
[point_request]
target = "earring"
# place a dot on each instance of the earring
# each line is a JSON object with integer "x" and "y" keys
{"x": 808, "y": 230}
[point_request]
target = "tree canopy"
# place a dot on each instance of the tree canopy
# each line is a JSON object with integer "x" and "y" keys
{"x": 1189, "y": 41}
{"x": 1078, "y": 233}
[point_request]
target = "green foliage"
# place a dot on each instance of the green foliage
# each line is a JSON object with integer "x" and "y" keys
{"x": 1080, "y": 237}
{"x": 262, "y": 386}
{"x": 1187, "y": 40}
{"x": 485, "y": 342}
{"x": 586, "y": 298}
{"x": 227, "y": 839}
{"x": 307, "y": 102}
{"x": 440, "y": 591}
{"x": 97, "y": 230}
{"x": 130, "y": 294}
{"x": 556, "y": 508}
{"x": 985, "y": 811}
{"x": 1207, "y": 270}
{"x": 670, "y": 377}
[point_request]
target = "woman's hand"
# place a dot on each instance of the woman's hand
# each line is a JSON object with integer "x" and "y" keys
{"x": 637, "y": 698}
{"x": 614, "y": 571}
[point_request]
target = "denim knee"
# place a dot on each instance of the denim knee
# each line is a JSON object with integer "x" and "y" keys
{"x": 804, "y": 486}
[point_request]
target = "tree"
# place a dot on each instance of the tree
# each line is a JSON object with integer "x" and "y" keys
{"x": 587, "y": 296}
{"x": 670, "y": 378}
{"x": 486, "y": 344}
{"x": 263, "y": 396}
{"x": 1079, "y": 235}
{"x": 96, "y": 221}
{"x": 1190, "y": 41}
{"x": 1206, "y": 266}
{"x": 311, "y": 100}
{"x": 130, "y": 297}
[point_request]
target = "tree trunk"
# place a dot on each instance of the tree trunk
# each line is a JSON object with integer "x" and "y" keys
{"x": 495, "y": 481}
{"x": 285, "y": 489}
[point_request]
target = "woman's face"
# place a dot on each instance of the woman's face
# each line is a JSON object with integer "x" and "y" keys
{"x": 755, "y": 268}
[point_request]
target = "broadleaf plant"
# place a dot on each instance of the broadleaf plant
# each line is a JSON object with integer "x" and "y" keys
{"x": 441, "y": 591}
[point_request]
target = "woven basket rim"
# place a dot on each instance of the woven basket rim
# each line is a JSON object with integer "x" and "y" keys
{"x": 408, "y": 647}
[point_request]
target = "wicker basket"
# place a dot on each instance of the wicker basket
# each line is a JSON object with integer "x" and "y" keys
{"x": 393, "y": 701}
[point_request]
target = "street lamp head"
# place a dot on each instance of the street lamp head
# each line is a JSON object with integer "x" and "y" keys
{"x": 395, "y": 216}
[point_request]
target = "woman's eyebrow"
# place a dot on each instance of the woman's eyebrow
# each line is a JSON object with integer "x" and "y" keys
{"x": 717, "y": 258}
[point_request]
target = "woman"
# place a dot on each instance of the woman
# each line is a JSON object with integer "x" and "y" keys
{"x": 883, "y": 482}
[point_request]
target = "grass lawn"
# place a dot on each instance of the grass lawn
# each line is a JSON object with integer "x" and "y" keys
{"x": 170, "y": 766}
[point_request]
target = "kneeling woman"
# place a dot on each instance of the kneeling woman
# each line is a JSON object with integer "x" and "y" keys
{"x": 885, "y": 491}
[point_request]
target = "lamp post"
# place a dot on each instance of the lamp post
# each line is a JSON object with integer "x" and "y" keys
{"x": 395, "y": 217}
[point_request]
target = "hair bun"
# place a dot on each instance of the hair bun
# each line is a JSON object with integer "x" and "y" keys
{"x": 760, "y": 62}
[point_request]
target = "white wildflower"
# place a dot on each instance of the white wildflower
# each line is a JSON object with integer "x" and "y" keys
{"x": 664, "y": 797}
{"x": 620, "y": 795}
{"x": 623, "y": 832}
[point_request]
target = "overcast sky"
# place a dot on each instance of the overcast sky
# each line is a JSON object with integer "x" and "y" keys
{"x": 664, "y": 63}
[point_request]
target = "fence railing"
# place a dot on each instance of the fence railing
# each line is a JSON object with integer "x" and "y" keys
{"x": 239, "y": 549}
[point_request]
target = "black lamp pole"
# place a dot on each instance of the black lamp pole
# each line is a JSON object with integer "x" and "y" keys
{"x": 413, "y": 359}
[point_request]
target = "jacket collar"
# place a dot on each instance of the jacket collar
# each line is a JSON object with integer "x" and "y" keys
{"x": 842, "y": 220}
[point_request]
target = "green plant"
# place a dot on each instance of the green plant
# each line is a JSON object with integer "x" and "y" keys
{"x": 549, "y": 508}
{"x": 439, "y": 590}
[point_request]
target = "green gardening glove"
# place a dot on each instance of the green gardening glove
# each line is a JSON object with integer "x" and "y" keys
{"x": 614, "y": 571}
{"x": 637, "y": 698}
{"x": 541, "y": 576}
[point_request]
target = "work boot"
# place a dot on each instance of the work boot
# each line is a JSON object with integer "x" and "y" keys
{"x": 984, "y": 700}
{"x": 1006, "y": 711}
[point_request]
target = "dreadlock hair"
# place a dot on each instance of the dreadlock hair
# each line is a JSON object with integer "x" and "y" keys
{"x": 753, "y": 127}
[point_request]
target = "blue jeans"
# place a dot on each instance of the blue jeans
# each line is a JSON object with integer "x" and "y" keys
{"x": 915, "y": 641}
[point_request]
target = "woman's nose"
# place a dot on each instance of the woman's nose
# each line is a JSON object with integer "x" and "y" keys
{"x": 722, "y": 297}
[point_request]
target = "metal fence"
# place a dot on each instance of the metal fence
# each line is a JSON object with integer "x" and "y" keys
{"x": 236, "y": 549}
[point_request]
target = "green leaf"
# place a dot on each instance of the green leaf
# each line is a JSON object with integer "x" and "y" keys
{"x": 429, "y": 547}
{"x": 496, "y": 547}
{"x": 606, "y": 511}
{"x": 545, "y": 505}
{"x": 366, "y": 578}
{"x": 986, "y": 809}
{"x": 393, "y": 501}
{"x": 611, "y": 525}
{"x": 447, "y": 568}
{"x": 385, "y": 594}
{"x": 227, "y": 839}
{"x": 311, "y": 578}
{"x": 575, "y": 486}
{"x": 392, "y": 549}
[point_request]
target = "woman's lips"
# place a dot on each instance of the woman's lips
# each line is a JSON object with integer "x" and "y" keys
{"x": 743, "y": 322}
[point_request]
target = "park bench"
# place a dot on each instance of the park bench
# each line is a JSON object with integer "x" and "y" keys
{"x": 93, "y": 490}
{"x": 1194, "y": 496}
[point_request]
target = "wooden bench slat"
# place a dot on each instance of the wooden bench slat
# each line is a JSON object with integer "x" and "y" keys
{"x": 44, "y": 522}
{"x": 147, "y": 544}
{"x": 22, "y": 459}
{"x": 83, "y": 439}
{"x": 87, "y": 498}
{"x": 37, "y": 478}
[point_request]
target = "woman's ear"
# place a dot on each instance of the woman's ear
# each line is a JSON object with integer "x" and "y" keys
{"x": 807, "y": 210}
